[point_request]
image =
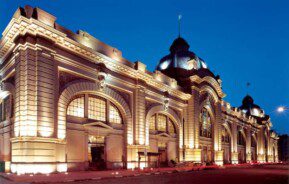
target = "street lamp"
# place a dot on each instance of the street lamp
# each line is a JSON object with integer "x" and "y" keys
{"x": 281, "y": 109}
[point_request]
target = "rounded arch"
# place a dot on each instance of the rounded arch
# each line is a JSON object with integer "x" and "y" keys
{"x": 9, "y": 87}
{"x": 207, "y": 101}
{"x": 255, "y": 139}
{"x": 227, "y": 127}
{"x": 209, "y": 90}
{"x": 160, "y": 109}
{"x": 215, "y": 84}
{"x": 244, "y": 135}
{"x": 80, "y": 87}
{"x": 170, "y": 113}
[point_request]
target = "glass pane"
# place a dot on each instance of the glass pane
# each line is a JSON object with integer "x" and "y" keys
{"x": 96, "y": 109}
{"x": 162, "y": 120}
{"x": 152, "y": 122}
{"x": 114, "y": 115}
{"x": 205, "y": 124}
{"x": 171, "y": 127}
{"x": 76, "y": 107}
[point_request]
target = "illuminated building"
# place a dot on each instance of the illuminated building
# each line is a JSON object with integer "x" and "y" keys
{"x": 70, "y": 101}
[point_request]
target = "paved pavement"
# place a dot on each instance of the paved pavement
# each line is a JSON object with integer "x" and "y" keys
{"x": 263, "y": 174}
{"x": 277, "y": 174}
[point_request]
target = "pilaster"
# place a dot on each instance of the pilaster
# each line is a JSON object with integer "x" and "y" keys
{"x": 234, "y": 150}
{"x": 261, "y": 157}
{"x": 234, "y": 157}
{"x": 248, "y": 145}
{"x": 218, "y": 135}
{"x": 139, "y": 116}
{"x": 193, "y": 153}
{"x": 34, "y": 146}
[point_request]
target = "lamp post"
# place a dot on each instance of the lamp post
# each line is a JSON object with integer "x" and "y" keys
{"x": 281, "y": 109}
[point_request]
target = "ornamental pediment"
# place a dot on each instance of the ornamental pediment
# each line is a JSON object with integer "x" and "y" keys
{"x": 98, "y": 124}
{"x": 164, "y": 135}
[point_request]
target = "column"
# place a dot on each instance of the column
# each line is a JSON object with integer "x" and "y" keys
{"x": 35, "y": 148}
{"x": 141, "y": 129}
{"x": 192, "y": 151}
{"x": 139, "y": 116}
{"x": 234, "y": 150}
{"x": 261, "y": 146}
{"x": 218, "y": 152}
{"x": 248, "y": 145}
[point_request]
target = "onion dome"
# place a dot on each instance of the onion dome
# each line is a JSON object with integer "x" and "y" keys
{"x": 181, "y": 57}
{"x": 181, "y": 64}
{"x": 250, "y": 108}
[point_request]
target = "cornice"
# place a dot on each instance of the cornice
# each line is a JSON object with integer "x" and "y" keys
{"x": 22, "y": 26}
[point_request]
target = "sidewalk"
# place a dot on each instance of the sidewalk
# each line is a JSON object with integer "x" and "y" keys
{"x": 87, "y": 175}
{"x": 98, "y": 175}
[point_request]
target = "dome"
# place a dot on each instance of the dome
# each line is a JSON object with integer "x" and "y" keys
{"x": 250, "y": 108}
{"x": 180, "y": 57}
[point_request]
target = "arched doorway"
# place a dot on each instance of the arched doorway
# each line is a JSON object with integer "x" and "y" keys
{"x": 241, "y": 142}
{"x": 206, "y": 136}
{"x": 163, "y": 140}
{"x": 101, "y": 122}
{"x": 226, "y": 145}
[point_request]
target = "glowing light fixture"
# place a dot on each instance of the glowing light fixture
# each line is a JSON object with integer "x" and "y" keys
{"x": 204, "y": 65}
{"x": 102, "y": 79}
{"x": 281, "y": 109}
{"x": 164, "y": 65}
{"x": 166, "y": 101}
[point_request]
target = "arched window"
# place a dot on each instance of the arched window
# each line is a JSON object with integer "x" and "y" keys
{"x": 76, "y": 107}
{"x": 205, "y": 124}
{"x": 152, "y": 122}
{"x": 162, "y": 123}
{"x": 241, "y": 140}
{"x": 253, "y": 142}
{"x": 97, "y": 108}
{"x": 171, "y": 127}
{"x": 114, "y": 115}
{"x": 225, "y": 135}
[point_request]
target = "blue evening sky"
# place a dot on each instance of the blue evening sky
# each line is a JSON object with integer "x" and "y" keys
{"x": 241, "y": 40}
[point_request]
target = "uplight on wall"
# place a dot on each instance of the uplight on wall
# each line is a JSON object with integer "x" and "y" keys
{"x": 32, "y": 168}
{"x": 62, "y": 167}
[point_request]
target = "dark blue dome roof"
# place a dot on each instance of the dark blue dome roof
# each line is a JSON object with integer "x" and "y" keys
{"x": 181, "y": 57}
{"x": 250, "y": 108}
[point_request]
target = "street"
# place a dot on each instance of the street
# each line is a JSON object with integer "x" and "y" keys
{"x": 265, "y": 174}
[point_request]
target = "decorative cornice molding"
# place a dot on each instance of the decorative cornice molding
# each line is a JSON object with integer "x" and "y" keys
{"x": 22, "y": 26}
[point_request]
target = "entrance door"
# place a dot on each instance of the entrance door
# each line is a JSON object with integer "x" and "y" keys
{"x": 253, "y": 154}
{"x": 227, "y": 155}
{"x": 205, "y": 154}
{"x": 97, "y": 158}
{"x": 242, "y": 155}
{"x": 163, "y": 157}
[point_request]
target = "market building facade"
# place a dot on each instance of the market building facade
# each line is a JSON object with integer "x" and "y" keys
{"x": 72, "y": 102}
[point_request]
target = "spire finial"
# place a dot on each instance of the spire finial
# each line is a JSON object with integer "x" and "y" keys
{"x": 248, "y": 85}
{"x": 179, "y": 21}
